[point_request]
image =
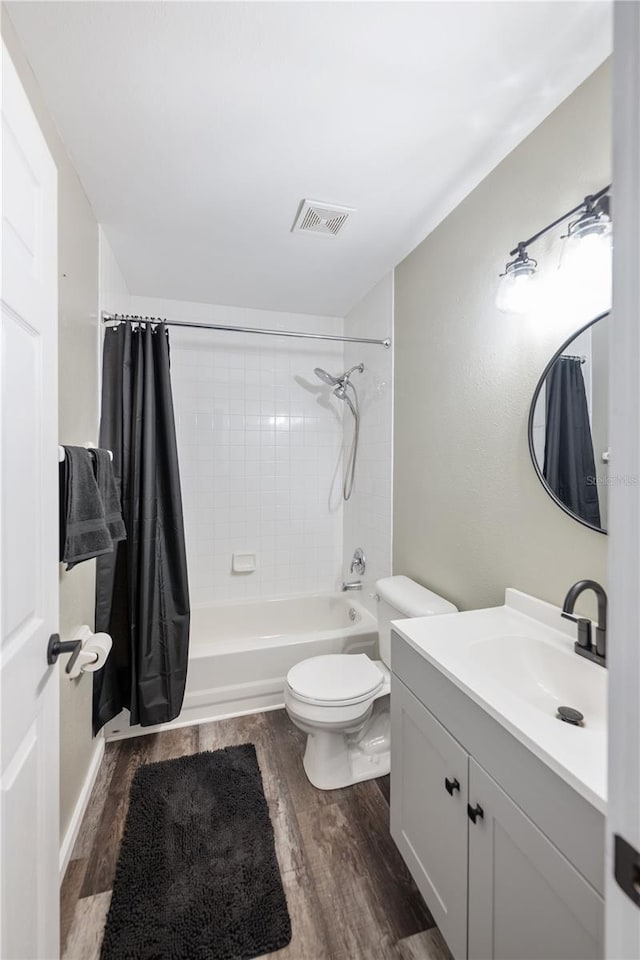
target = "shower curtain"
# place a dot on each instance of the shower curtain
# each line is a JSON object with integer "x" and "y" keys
{"x": 569, "y": 462}
{"x": 142, "y": 594}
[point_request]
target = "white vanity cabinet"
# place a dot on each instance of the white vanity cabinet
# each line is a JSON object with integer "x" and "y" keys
{"x": 499, "y": 888}
{"x": 525, "y": 899}
{"x": 429, "y": 771}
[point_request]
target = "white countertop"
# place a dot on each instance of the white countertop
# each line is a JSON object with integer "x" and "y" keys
{"x": 517, "y": 663}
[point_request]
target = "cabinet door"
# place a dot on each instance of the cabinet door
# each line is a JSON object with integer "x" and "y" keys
{"x": 526, "y": 901}
{"x": 429, "y": 821}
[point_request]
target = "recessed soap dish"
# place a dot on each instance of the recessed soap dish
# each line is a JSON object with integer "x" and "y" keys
{"x": 244, "y": 562}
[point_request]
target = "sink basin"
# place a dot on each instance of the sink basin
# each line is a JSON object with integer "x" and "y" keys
{"x": 517, "y": 662}
{"x": 544, "y": 676}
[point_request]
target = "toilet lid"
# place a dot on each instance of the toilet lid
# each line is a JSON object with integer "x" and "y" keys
{"x": 335, "y": 678}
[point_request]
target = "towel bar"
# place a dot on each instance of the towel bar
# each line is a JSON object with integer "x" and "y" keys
{"x": 89, "y": 446}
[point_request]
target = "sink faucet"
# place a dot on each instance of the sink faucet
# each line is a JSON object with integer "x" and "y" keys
{"x": 584, "y": 645}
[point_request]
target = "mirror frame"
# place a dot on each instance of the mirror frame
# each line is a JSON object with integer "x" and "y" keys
{"x": 532, "y": 408}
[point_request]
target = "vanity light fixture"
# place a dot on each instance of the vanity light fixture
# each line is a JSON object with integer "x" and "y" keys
{"x": 595, "y": 221}
{"x": 585, "y": 257}
{"x": 587, "y": 250}
{"x": 514, "y": 292}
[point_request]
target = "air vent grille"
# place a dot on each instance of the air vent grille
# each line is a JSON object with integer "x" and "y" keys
{"x": 323, "y": 218}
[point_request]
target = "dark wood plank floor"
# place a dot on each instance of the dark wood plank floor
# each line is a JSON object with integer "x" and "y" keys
{"x": 349, "y": 893}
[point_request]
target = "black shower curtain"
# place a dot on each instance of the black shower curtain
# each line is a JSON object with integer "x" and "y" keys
{"x": 142, "y": 594}
{"x": 569, "y": 463}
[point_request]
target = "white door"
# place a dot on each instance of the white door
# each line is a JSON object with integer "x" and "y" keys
{"x": 29, "y": 828}
{"x": 526, "y": 901}
{"x": 429, "y": 812}
{"x": 623, "y": 815}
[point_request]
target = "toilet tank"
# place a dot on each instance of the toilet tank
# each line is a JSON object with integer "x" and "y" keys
{"x": 399, "y": 598}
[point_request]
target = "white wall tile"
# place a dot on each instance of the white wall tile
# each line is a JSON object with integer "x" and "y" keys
{"x": 258, "y": 447}
{"x": 368, "y": 514}
{"x": 260, "y": 444}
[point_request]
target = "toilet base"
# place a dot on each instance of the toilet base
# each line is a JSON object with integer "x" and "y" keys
{"x": 335, "y": 760}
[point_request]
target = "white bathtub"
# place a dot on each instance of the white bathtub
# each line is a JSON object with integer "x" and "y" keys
{"x": 240, "y": 653}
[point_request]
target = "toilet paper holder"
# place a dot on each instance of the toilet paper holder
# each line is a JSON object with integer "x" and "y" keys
{"x": 56, "y": 646}
{"x": 80, "y": 659}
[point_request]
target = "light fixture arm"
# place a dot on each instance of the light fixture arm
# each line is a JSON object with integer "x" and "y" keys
{"x": 595, "y": 202}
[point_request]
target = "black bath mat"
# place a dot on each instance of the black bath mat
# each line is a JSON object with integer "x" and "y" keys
{"x": 197, "y": 876}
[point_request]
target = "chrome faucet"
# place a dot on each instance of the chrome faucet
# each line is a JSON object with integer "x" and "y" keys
{"x": 584, "y": 645}
{"x": 351, "y": 585}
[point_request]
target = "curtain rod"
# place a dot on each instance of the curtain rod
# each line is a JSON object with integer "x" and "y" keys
{"x": 120, "y": 318}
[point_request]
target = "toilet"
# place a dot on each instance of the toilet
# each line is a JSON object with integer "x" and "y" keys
{"x": 341, "y": 701}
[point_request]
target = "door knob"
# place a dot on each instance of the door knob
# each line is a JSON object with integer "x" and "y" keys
{"x": 451, "y": 785}
{"x": 475, "y": 812}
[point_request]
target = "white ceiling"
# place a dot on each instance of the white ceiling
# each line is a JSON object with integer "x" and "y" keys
{"x": 197, "y": 128}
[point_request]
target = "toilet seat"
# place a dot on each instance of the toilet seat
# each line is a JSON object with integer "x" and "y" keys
{"x": 342, "y": 701}
{"x": 335, "y": 679}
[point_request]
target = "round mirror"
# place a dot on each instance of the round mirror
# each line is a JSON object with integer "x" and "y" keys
{"x": 568, "y": 424}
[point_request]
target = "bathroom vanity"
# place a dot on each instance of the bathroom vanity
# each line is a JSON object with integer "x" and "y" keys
{"x": 497, "y": 805}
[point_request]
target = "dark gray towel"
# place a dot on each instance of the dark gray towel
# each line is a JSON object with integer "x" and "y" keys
{"x": 85, "y": 531}
{"x": 109, "y": 495}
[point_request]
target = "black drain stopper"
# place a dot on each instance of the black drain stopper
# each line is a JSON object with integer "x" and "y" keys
{"x": 569, "y": 715}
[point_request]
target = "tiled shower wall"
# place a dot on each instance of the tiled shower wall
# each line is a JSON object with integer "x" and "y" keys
{"x": 259, "y": 445}
{"x": 367, "y": 515}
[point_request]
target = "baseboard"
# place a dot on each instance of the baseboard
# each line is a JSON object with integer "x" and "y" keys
{"x": 73, "y": 829}
{"x": 192, "y": 721}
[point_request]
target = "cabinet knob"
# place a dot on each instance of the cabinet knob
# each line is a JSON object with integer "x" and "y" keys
{"x": 451, "y": 785}
{"x": 475, "y": 812}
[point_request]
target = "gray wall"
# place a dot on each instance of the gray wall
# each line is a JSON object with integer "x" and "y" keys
{"x": 78, "y": 412}
{"x": 470, "y": 515}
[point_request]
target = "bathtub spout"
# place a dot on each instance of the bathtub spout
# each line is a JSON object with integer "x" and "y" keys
{"x": 351, "y": 585}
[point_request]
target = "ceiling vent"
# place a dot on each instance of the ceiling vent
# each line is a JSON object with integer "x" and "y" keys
{"x": 317, "y": 217}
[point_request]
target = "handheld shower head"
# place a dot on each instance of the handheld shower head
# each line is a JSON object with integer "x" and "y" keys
{"x": 339, "y": 381}
{"x": 326, "y": 377}
{"x": 340, "y": 385}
